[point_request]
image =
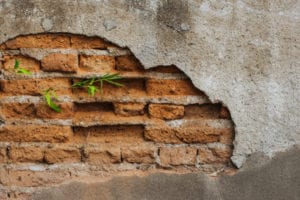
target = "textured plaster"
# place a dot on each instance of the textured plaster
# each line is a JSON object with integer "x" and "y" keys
{"x": 243, "y": 53}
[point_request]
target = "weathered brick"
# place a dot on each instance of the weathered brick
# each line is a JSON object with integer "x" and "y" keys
{"x": 26, "y": 154}
{"x": 227, "y": 136}
{"x": 57, "y": 62}
{"x": 97, "y": 64}
{"x": 166, "y": 111}
{"x": 162, "y": 134}
{"x": 25, "y": 62}
{"x": 39, "y": 41}
{"x": 128, "y": 63}
{"x": 214, "y": 155}
{"x": 83, "y": 42}
{"x": 129, "y": 109}
{"x": 139, "y": 154}
{"x": 178, "y": 156}
{"x": 224, "y": 113}
{"x": 34, "y": 133}
{"x": 2, "y": 154}
{"x": 35, "y": 87}
{"x": 17, "y": 110}
{"x": 62, "y": 154}
{"x": 166, "y": 69}
{"x": 109, "y": 134}
{"x": 171, "y": 87}
{"x": 208, "y": 111}
{"x": 102, "y": 154}
{"x": 44, "y": 111}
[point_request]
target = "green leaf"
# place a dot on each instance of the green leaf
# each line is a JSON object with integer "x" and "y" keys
{"x": 17, "y": 64}
{"x": 92, "y": 89}
{"x": 23, "y": 71}
{"x": 49, "y": 95}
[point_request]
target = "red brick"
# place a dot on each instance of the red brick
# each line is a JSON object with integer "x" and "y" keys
{"x": 83, "y": 42}
{"x": 102, "y": 155}
{"x": 2, "y": 154}
{"x": 39, "y": 41}
{"x": 166, "y": 69}
{"x": 170, "y": 87}
{"x": 44, "y": 111}
{"x": 139, "y": 154}
{"x": 128, "y": 63}
{"x": 166, "y": 111}
{"x": 227, "y": 136}
{"x": 129, "y": 109}
{"x": 26, "y": 154}
{"x": 25, "y": 62}
{"x": 208, "y": 111}
{"x": 224, "y": 113}
{"x": 34, "y": 133}
{"x": 57, "y": 62}
{"x": 17, "y": 110}
{"x": 214, "y": 155}
{"x": 162, "y": 135}
{"x": 35, "y": 87}
{"x": 97, "y": 64}
{"x": 178, "y": 156}
{"x": 62, "y": 154}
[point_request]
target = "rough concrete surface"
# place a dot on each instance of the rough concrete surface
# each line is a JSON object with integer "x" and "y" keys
{"x": 275, "y": 179}
{"x": 243, "y": 53}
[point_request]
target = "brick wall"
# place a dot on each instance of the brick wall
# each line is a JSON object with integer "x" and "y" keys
{"x": 157, "y": 121}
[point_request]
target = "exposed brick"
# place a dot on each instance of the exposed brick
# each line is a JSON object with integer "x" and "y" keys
{"x": 62, "y": 154}
{"x": 128, "y": 63}
{"x": 26, "y": 154}
{"x": 166, "y": 69}
{"x": 178, "y": 156}
{"x": 17, "y": 110}
{"x": 109, "y": 134}
{"x": 44, "y": 111}
{"x": 171, "y": 87}
{"x": 57, "y": 62}
{"x": 208, "y": 111}
{"x": 224, "y": 113}
{"x": 214, "y": 155}
{"x": 35, "y": 86}
{"x": 102, "y": 155}
{"x": 227, "y": 136}
{"x": 83, "y": 42}
{"x": 162, "y": 134}
{"x": 97, "y": 64}
{"x": 129, "y": 109}
{"x": 139, "y": 154}
{"x": 39, "y": 41}
{"x": 34, "y": 133}
{"x": 2, "y": 154}
{"x": 25, "y": 62}
{"x": 166, "y": 111}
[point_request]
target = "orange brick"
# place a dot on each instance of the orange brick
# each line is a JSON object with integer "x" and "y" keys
{"x": 214, "y": 155}
{"x": 162, "y": 135}
{"x": 224, "y": 113}
{"x": 39, "y": 41}
{"x": 2, "y": 154}
{"x": 35, "y": 86}
{"x": 62, "y": 154}
{"x": 34, "y": 133}
{"x": 25, "y": 62}
{"x": 171, "y": 87}
{"x": 128, "y": 63}
{"x": 44, "y": 111}
{"x": 178, "y": 156}
{"x": 57, "y": 62}
{"x": 83, "y": 42}
{"x": 97, "y": 64}
{"x": 208, "y": 111}
{"x": 166, "y": 69}
{"x": 17, "y": 110}
{"x": 227, "y": 136}
{"x": 102, "y": 155}
{"x": 139, "y": 154}
{"x": 166, "y": 111}
{"x": 129, "y": 109}
{"x": 26, "y": 154}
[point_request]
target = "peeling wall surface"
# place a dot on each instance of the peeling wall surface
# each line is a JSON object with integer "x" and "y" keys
{"x": 242, "y": 53}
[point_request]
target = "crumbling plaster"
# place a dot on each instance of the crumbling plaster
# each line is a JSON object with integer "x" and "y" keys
{"x": 243, "y": 53}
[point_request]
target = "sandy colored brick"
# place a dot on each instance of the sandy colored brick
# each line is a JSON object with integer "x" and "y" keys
{"x": 161, "y": 87}
{"x": 62, "y": 154}
{"x": 2, "y": 154}
{"x": 214, "y": 155}
{"x": 207, "y": 111}
{"x": 26, "y": 154}
{"x": 39, "y": 41}
{"x": 227, "y": 136}
{"x": 178, "y": 156}
{"x": 35, "y": 133}
{"x": 129, "y": 109}
{"x": 128, "y": 63}
{"x": 99, "y": 155}
{"x": 57, "y": 62}
{"x": 162, "y": 135}
{"x": 97, "y": 64}
{"x": 83, "y": 42}
{"x": 139, "y": 154}
{"x": 25, "y": 62}
{"x": 44, "y": 111}
{"x": 35, "y": 87}
{"x": 17, "y": 110}
{"x": 166, "y": 111}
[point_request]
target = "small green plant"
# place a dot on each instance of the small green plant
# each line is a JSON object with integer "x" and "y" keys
{"x": 95, "y": 84}
{"x": 49, "y": 96}
{"x": 20, "y": 70}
